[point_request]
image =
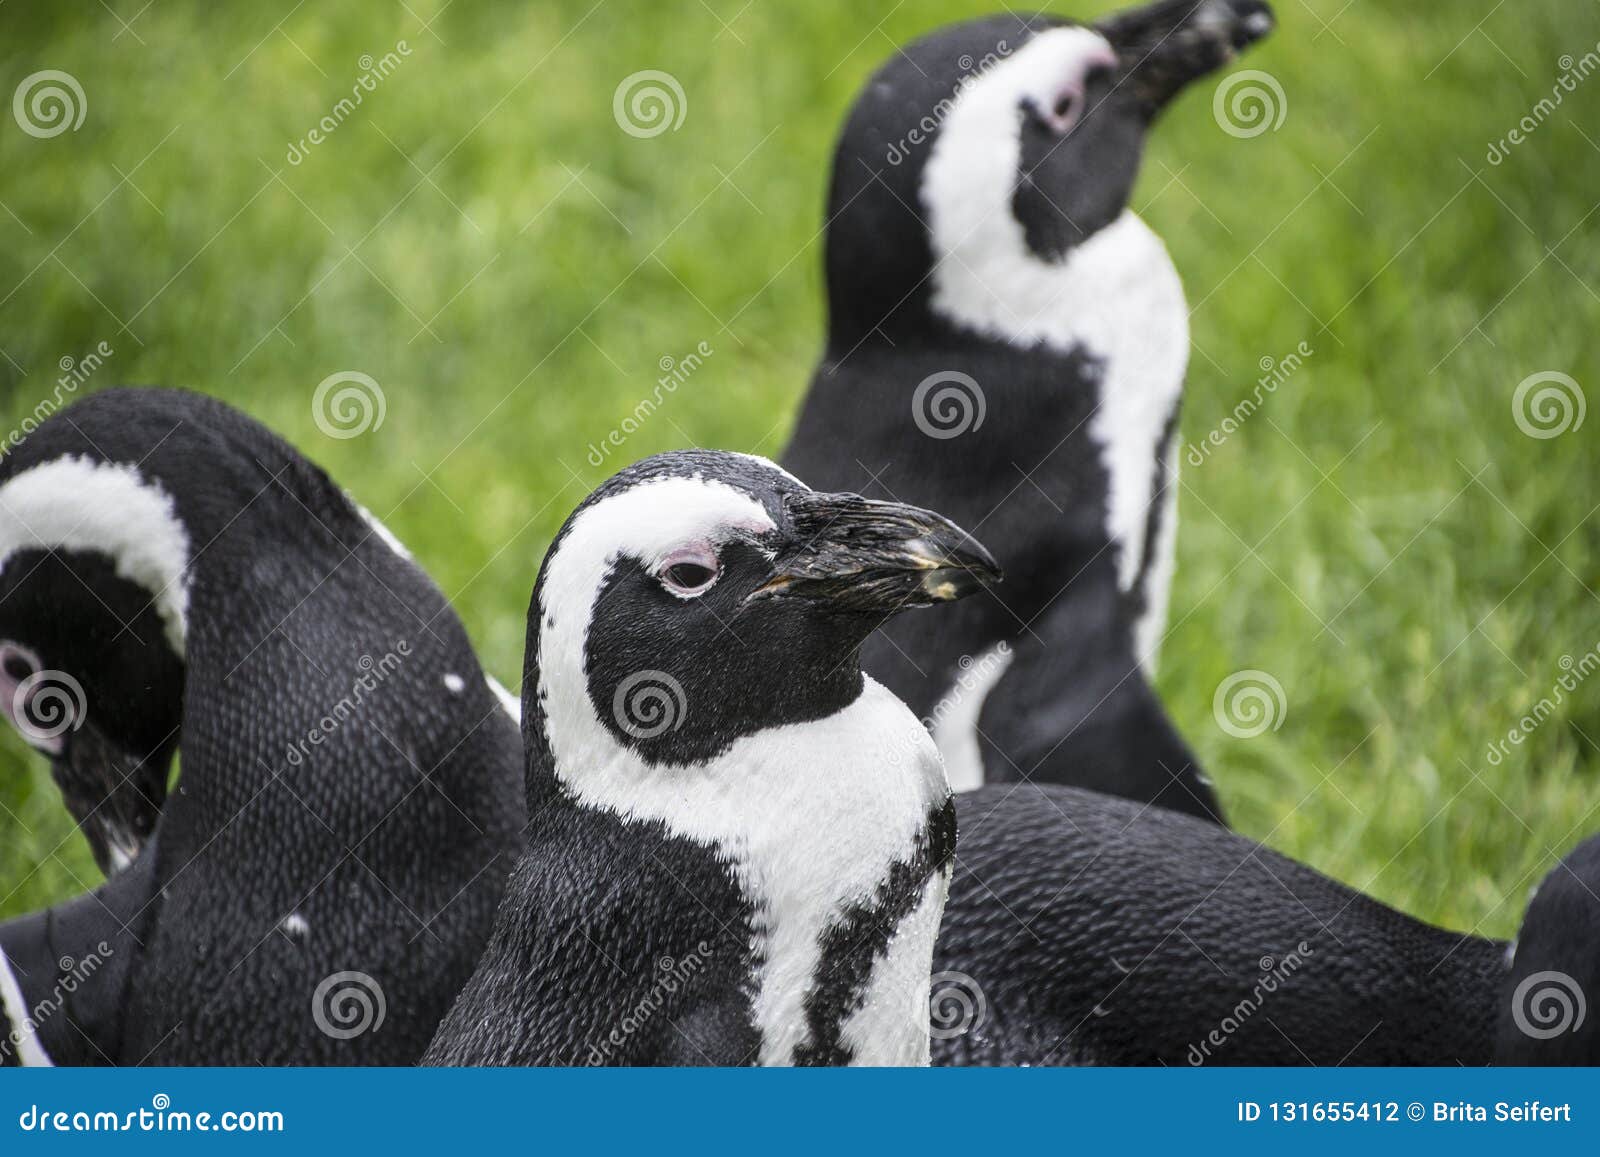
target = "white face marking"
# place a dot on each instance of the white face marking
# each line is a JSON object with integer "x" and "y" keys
{"x": 811, "y": 815}
{"x": 296, "y": 925}
{"x": 651, "y": 520}
{"x": 1116, "y": 296}
{"x": 29, "y": 1051}
{"x": 955, "y": 718}
{"x": 454, "y": 683}
{"x": 74, "y": 503}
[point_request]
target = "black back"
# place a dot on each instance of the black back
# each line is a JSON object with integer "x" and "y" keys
{"x": 380, "y": 849}
{"x": 1089, "y": 930}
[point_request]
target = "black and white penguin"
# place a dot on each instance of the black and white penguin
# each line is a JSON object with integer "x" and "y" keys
{"x": 1086, "y": 929}
{"x": 1548, "y": 1013}
{"x": 174, "y": 577}
{"x": 1007, "y": 344}
{"x": 739, "y": 845}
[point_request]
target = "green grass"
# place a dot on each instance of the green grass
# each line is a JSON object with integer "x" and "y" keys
{"x": 1380, "y": 537}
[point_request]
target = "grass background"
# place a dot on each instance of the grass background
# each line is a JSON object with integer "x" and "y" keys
{"x": 482, "y": 239}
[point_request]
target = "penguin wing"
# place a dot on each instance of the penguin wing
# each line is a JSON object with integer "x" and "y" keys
{"x": 64, "y": 973}
{"x": 1086, "y": 716}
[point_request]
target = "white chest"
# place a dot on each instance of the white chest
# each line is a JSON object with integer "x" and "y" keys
{"x": 812, "y": 816}
{"x": 1118, "y": 299}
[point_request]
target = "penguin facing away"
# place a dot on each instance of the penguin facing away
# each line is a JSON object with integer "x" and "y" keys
{"x": 739, "y": 845}
{"x": 1547, "y": 1008}
{"x": 174, "y": 577}
{"x": 1007, "y": 343}
{"x": 1086, "y": 929}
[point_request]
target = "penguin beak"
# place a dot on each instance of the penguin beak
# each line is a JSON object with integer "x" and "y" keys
{"x": 856, "y": 554}
{"x": 114, "y": 795}
{"x": 1162, "y": 47}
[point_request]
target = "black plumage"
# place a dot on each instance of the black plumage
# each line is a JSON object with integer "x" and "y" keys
{"x": 343, "y": 808}
{"x": 1015, "y": 453}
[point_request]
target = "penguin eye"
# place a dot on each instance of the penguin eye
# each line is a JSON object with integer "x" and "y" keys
{"x": 17, "y": 664}
{"x": 1064, "y": 107}
{"x": 689, "y": 571}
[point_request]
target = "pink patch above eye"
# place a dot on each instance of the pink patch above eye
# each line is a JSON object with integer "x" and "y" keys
{"x": 1064, "y": 106}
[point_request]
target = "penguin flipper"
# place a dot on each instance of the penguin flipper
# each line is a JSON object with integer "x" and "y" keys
{"x": 64, "y": 973}
{"x": 1051, "y": 719}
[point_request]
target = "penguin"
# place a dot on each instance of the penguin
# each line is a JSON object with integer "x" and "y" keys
{"x": 318, "y": 886}
{"x": 1547, "y": 1013}
{"x": 1007, "y": 343}
{"x": 651, "y": 920}
{"x": 740, "y": 844}
{"x": 1085, "y": 929}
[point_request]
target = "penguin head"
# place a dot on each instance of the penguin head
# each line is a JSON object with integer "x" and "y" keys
{"x": 1007, "y": 132}
{"x": 699, "y": 597}
{"x": 104, "y": 509}
{"x": 92, "y": 635}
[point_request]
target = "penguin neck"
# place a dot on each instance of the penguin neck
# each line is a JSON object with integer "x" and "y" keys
{"x": 839, "y": 833}
{"x": 1108, "y": 320}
